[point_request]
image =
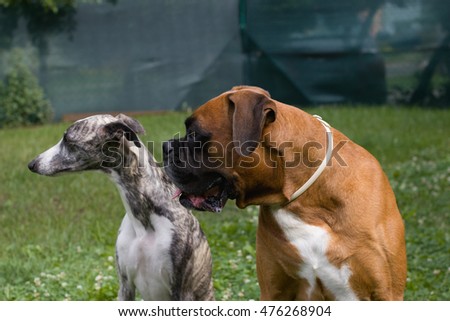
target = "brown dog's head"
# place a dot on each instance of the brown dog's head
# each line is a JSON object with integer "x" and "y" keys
{"x": 224, "y": 154}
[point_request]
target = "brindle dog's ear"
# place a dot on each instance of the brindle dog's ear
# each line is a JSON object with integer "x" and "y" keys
{"x": 252, "y": 112}
{"x": 119, "y": 129}
{"x": 132, "y": 123}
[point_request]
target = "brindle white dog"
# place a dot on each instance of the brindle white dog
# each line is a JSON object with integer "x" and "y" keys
{"x": 161, "y": 250}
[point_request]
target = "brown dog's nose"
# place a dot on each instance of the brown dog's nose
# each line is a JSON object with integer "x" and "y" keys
{"x": 167, "y": 147}
{"x": 168, "y": 152}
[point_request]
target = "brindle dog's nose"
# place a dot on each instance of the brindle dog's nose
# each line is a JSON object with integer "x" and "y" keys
{"x": 32, "y": 166}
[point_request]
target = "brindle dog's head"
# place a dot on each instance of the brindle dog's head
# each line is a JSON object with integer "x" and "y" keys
{"x": 92, "y": 143}
{"x": 224, "y": 154}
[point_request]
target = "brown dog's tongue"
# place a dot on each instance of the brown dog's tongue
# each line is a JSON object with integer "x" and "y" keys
{"x": 178, "y": 192}
{"x": 197, "y": 201}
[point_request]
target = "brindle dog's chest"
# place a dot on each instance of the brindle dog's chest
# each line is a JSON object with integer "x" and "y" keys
{"x": 144, "y": 256}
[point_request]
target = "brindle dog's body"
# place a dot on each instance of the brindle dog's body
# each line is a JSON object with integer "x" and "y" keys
{"x": 161, "y": 250}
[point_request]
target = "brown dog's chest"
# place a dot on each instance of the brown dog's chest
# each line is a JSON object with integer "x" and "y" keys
{"x": 300, "y": 250}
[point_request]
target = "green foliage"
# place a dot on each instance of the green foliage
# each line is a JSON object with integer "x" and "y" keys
{"x": 22, "y": 100}
{"x": 57, "y": 235}
{"x": 42, "y": 18}
{"x": 48, "y": 5}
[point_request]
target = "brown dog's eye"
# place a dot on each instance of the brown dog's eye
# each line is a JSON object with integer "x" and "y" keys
{"x": 197, "y": 136}
{"x": 191, "y": 136}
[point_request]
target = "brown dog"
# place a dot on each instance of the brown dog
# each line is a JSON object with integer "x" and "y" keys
{"x": 342, "y": 238}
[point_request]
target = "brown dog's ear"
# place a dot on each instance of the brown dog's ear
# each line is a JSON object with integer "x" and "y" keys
{"x": 252, "y": 112}
{"x": 254, "y": 88}
{"x": 132, "y": 123}
{"x": 119, "y": 129}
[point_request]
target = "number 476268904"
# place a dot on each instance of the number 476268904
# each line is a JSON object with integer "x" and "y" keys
{"x": 289, "y": 311}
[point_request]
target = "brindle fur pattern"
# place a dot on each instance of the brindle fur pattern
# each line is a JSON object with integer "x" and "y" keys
{"x": 110, "y": 144}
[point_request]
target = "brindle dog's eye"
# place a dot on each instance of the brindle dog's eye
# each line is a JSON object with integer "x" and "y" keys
{"x": 67, "y": 140}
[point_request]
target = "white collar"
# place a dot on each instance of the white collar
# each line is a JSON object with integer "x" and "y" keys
{"x": 322, "y": 166}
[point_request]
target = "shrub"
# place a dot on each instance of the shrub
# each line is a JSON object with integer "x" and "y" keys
{"x": 22, "y": 100}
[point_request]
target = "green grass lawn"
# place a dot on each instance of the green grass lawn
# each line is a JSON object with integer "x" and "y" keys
{"x": 57, "y": 234}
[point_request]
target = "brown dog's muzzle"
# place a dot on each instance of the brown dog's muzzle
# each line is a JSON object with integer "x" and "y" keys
{"x": 199, "y": 188}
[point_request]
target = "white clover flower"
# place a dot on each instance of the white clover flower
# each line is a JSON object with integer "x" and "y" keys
{"x": 226, "y": 294}
{"x": 37, "y": 281}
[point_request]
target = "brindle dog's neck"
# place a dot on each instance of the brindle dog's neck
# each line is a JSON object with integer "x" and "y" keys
{"x": 144, "y": 187}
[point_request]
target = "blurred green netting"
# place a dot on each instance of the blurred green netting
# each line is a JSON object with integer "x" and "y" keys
{"x": 101, "y": 56}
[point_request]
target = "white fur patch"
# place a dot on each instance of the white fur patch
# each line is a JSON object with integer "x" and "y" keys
{"x": 145, "y": 257}
{"x": 144, "y": 254}
{"x": 46, "y": 158}
{"x": 312, "y": 243}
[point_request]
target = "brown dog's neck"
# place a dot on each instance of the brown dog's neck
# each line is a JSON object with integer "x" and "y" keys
{"x": 301, "y": 153}
{"x": 287, "y": 160}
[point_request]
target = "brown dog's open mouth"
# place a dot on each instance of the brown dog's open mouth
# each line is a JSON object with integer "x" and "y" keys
{"x": 213, "y": 200}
